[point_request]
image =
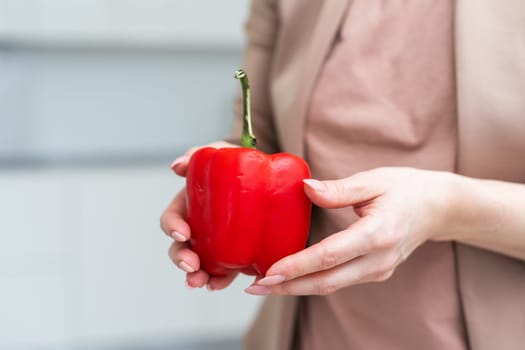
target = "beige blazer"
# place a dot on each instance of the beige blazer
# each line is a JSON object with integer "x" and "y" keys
{"x": 288, "y": 41}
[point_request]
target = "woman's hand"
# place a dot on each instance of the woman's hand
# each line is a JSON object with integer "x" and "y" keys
{"x": 173, "y": 223}
{"x": 399, "y": 209}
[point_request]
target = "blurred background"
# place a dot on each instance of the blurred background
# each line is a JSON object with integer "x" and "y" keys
{"x": 97, "y": 97}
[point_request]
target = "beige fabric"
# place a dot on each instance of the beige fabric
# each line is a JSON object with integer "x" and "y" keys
{"x": 288, "y": 41}
{"x": 490, "y": 56}
{"x": 385, "y": 97}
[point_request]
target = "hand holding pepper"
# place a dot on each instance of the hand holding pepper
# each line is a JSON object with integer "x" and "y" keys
{"x": 245, "y": 209}
{"x": 174, "y": 224}
{"x": 399, "y": 209}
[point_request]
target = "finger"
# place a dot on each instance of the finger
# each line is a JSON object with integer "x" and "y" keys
{"x": 197, "y": 279}
{"x": 357, "y": 240}
{"x": 180, "y": 165}
{"x": 349, "y": 191}
{"x": 218, "y": 283}
{"x": 369, "y": 268}
{"x": 173, "y": 222}
{"x": 185, "y": 258}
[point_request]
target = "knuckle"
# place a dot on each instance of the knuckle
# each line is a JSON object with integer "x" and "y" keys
{"x": 384, "y": 275}
{"x": 295, "y": 270}
{"x": 377, "y": 240}
{"x": 284, "y": 289}
{"x": 384, "y": 239}
{"x": 172, "y": 252}
{"x": 385, "y": 270}
{"x": 329, "y": 257}
{"x": 358, "y": 275}
{"x": 325, "y": 287}
{"x": 339, "y": 191}
{"x": 162, "y": 222}
{"x": 177, "y": 251}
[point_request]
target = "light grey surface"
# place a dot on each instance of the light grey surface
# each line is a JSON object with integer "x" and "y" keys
{"x": 133, "y": 22}
{"x": 70, "y": 104}
{"x": 219, "y": 344}
{"x": 83, "y": 264}
{"x": 83, "y": 261}
{"x": 163, "y": 344}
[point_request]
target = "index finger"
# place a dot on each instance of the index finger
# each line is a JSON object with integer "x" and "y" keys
{"x": 180, "y": 165}
{"x": 334, "y": 250}
{"x": 173, "y": 219}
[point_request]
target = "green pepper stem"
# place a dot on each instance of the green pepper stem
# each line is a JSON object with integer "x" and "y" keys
{"x": 247, "y": 138}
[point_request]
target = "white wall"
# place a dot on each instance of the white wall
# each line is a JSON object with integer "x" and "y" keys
{"x": 85, "y": 78}
{"x": 82, "y": 260}
{"x": 123, "y": 22}
{"x": 96, "y": 98}
{"x": 87, "y": 103}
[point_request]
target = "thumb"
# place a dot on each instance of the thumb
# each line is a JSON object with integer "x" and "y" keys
{"x": 341, "y": 193}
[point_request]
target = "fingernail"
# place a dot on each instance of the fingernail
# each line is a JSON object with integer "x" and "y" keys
{"x": 210, "y": 288}
{"x": 188, "y": 285}
{"x": 178, "y": 161}
{"x": 178, "y": 236}
{"x": 185, "y": 267}
{"x": 257, "y": 290}
{"x": 271, "y": 280}
{"x": 315, "y": 184}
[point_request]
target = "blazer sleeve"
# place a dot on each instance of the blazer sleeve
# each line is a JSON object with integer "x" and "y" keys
{"x": 261, "y": 32}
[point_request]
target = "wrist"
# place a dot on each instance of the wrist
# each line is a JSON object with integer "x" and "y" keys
{"x": 449, "y": 201}
{"x": 469, "y": 209}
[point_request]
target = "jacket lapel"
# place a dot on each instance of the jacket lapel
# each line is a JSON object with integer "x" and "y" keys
{"x": 490, "y": 53}
{"x": 490, "y": 58}
{"x": 277, "y": 316}
{"x": 332, "y": 14}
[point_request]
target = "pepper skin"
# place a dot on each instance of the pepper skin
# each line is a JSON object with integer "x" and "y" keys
{"x": 246, "y": 209}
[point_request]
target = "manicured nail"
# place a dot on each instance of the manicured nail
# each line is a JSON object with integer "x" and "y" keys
{"x": 271, "y": 280}
{"x": 185, "y": 267}
{"x": 178, "y": 161}
{"x": 257, "y": 290}
{"x": 178, "y": 236}
{"x": 315, "y": 184}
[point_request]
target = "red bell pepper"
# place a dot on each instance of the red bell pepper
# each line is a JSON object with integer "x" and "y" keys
{"x": 246, "y": 209}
